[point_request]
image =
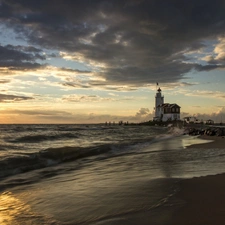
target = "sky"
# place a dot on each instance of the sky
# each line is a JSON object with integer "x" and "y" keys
{"x": 92, "y": 61}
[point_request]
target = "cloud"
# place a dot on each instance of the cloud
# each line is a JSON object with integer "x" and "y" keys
{"x": 142, "y": 112}
{"x": 220, "y": 50}
{"x": 218, "y": 54}
{"x": 208, "y": 67}
{"x": 85, "y": 98}
{"x": 4, "y": 81}
{"x": 36, "y": 112}
{"x": 56, "y": 116}
{"x": 8, "y": 54}
{"x": 39, "y": 116}
{"x": 96, "y": 98}
{"x": 53, "y": 116}
{"x": 19, "y": 57}
{"x": 13, "y": 98}
{"x": 218, "y": 116}
{"x": 80, "y": 83}
{"x": 75, "y": 70}
{"x": 209, "y": 59}
{"x": 127, "y": 42}
{"x": 30, "y": 49}
{"x": 207, "y": 94}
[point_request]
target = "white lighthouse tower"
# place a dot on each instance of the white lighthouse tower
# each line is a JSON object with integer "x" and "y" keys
{"x": 159, "y": 100}
{"x": 165, "y": 111}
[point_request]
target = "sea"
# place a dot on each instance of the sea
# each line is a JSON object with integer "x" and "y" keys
{"x": 95, "y": 174}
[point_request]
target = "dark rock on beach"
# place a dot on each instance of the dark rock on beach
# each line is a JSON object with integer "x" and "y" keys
{"x": 209, "y": 131}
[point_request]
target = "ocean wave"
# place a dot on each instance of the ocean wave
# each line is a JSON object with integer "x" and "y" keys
{"x": 84, "y": 128}
{"x": 52, "y": 156}
{"x": 20, "y": 163}
{"x": 48, "y": 157}
{"x": 41, "y": 138}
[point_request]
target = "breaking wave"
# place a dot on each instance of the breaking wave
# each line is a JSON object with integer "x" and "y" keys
{"x": 47, "y": 157}
{"x": 41, "y": 138}
{"x": 23, "y": 161}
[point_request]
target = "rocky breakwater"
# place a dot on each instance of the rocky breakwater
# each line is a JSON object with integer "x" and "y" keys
{"x": 209, "y": 131}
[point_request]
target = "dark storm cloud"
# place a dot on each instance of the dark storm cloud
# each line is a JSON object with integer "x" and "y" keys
{"x": 5, "y": 10}
{"x": 138, "y": 41}
{"x": 208, "y": 67}
{"x": 75, "y": 85}
{"x": 13, "y": 98}
{"x": 75, "y": 70}
{"x": 19, "y": 57}
{"x": 24, "y": 48}
{"x": 9, "y": 54}
{"x": 22, "y": 66}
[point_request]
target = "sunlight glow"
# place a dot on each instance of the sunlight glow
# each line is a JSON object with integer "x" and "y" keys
{"x": 13, "y": 210}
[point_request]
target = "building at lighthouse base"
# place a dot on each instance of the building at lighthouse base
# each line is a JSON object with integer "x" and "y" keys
{"x": 168, "y": 112}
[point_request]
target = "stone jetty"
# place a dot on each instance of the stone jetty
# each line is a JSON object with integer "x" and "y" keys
{"x": 209, "y": 131}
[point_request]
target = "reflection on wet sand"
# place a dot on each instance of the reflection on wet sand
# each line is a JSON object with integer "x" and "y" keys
{"x": 11, "y": 208}
{"x": 14, "y": 211}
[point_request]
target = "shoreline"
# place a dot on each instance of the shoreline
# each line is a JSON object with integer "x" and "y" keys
{"x": 214, "y": 142}
{"x": 198, "y": 200}
{"x": 203, "y": 197}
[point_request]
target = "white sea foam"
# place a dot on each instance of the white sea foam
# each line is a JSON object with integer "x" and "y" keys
{"x": 172, "y": 132}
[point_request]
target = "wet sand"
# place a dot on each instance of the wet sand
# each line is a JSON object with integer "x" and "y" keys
{"x": 217, "y": 142}
{"x": 204, "y": 197}
{"x": 204, "y": 201}
{"x": 199, "y": 201}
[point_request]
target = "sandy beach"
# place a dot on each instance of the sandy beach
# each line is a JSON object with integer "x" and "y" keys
{"x": 203, "y": 197}
{"x": 199, "y": 200}
{"x": 217, "y": 142}
{"x": 152, "y": 184}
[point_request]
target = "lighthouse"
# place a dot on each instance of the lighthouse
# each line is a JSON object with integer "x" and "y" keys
{"x": 159, "y": 100}
{"x": 165, "y": 111}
